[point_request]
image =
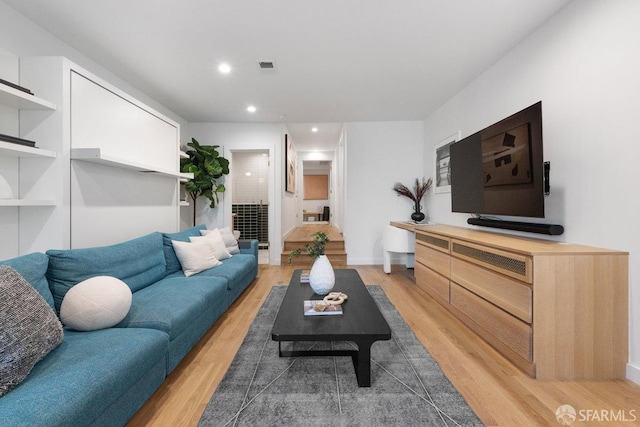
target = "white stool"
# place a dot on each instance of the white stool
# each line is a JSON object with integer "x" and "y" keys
{"x": 396, "y": 239}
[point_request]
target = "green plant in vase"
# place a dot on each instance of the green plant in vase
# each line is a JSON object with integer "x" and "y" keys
{"x": 321, "y": 277}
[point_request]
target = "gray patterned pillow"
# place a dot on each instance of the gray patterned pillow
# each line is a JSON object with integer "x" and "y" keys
{"x": 29, "y": 329}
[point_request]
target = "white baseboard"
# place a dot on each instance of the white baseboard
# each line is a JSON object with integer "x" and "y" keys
{"x": 633, "y": 373}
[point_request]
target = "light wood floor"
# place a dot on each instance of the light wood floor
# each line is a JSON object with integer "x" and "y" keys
{"x": 498, "y": 392}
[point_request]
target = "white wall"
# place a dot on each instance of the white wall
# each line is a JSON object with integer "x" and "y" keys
{"x": 584, "y": 66}
{"x": 339, "y": 179}
{"x": 379, "y": 154}
{"x": 232, "y": 137}
{"x": 251, "y": 177}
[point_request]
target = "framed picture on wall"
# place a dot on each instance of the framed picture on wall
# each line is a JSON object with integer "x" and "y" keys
{"x": 290, "y": 165}
{"x": 441, "y": 164}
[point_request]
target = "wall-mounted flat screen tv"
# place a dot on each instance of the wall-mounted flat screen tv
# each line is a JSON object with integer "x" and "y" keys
{"x": 499, "y": 170}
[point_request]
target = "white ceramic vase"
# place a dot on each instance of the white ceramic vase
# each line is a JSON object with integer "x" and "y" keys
{"x": 322, "y": 277}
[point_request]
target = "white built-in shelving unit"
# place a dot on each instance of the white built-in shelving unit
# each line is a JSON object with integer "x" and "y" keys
{"x": 17, "y": 99}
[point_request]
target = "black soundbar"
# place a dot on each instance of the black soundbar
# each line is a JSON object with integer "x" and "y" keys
{"x": 530, "y": 227}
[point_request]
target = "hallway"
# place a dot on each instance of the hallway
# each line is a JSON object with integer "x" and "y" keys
{"x": 335, "y": 248}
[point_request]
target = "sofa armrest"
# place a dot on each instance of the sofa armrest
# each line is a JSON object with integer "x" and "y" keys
{"x": 248, "y": 247}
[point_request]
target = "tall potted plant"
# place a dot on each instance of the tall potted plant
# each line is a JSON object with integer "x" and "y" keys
{"x": 206, "y": 165}
{"x": 419, "y": 190}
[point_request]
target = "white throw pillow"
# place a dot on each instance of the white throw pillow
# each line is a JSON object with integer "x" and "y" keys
{"x": 214, "y": 239}
{"x": 227, "y": 236}
{"x": 96, "y": 303}
{"x": 195, "y": 257}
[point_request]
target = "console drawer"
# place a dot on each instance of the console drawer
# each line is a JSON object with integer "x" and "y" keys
{"x": 436, "y": 260}
{"x": 434, "y": 284}
{"x": 509, "y": 294}
{"x": 508, "y": 263}
{"x": 491, "y": 320}
{"x": 435, "y": 241}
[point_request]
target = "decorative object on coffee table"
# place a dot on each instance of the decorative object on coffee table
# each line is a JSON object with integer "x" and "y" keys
{"x": 419, "y": 190}
{"x": 335, "y": 298}
{"x": 321, "y": 277}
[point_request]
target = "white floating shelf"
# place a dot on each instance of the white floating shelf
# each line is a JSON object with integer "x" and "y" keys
{"x": 23, "y": 101}
{"x": 26, "y": 202}
{"x": 17, "y": 150}
{"x": 95, "y": 155}
{"x": 184, "y": 203}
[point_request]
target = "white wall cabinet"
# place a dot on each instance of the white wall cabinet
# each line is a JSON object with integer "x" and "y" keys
{"x": 106, "y": 169}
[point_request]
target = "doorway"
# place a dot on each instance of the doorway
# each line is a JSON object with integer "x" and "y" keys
{"x": 316, "y": 200}
{"x": 250, "y": 198}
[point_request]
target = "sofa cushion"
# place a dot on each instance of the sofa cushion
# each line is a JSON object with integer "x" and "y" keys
{"x": 227, "y": 236}
{"x": 33, "y": 267}
{"x": 195, "y": 256}
{"x": 86, "y": 377}
{"x": 239, "y": 272}
{"x": 137, "y": 262}
{"x": 173, "y": 304}
{"x": 171, "y": 260}
{"x": 214, "y": 239}
{"x": 29, "y": 329}
{"x": 96, "y": 303}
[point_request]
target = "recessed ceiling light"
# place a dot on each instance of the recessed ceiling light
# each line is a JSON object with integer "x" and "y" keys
{"x": 314, "y": 129}
{"x": 224, "y": 68}
{"x": 251, "y": 109}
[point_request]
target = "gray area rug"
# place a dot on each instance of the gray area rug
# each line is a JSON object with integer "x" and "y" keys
{"x": 407, "y": 386}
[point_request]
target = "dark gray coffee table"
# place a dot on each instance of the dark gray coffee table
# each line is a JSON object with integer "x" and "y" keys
{"x": 361, "y": 322}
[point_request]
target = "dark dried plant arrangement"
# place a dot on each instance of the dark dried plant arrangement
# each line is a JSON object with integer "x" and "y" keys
{"x": 419, "y": 189}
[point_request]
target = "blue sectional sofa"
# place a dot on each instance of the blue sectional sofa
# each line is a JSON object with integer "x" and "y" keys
{"x": 104, "y": 376}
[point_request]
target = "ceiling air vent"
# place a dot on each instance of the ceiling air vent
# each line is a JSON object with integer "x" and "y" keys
{"x": 267, "y": 67}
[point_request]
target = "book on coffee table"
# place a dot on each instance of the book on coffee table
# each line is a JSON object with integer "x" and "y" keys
{"x": 304, "y": 276}
{"x": 320, "y": 308}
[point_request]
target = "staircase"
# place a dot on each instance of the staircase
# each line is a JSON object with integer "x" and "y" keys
{"x": 334, "y": 249}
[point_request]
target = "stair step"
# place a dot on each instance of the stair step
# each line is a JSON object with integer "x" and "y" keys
{"x": 334, "y": 248}
{"x": 336, "y": 258}
{"x": 331, "y": 245}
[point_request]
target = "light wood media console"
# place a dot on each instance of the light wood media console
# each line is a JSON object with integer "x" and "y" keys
{"x": 556, "y": 310}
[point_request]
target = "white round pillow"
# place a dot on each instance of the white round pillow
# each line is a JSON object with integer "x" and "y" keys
{"x": 96, "y": 303}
